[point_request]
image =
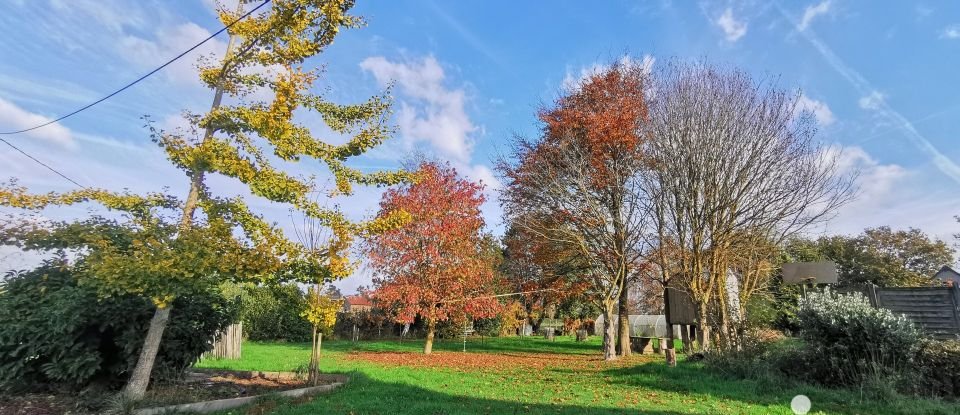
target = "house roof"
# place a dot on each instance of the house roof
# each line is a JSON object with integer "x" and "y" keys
{"x": 359, "y": 300}
{"x": 947, "y": 272}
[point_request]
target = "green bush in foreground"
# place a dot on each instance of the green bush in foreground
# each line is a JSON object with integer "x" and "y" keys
{"x": 56, "y": 332}
{"x": 849, "y": 342}
{"x": 937, "y": 368}
{"x": 846, "y": 342}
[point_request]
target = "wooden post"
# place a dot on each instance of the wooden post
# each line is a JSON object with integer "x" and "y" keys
{"x": 872, "y": 295}
{"x": 685, "y": 337}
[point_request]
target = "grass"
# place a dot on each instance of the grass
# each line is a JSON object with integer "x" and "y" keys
{"x": 532, "y": 375}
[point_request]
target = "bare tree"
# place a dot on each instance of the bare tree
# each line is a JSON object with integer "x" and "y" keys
{"x": 732, "y": 157}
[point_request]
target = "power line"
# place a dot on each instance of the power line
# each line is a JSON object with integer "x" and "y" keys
{"x": 57, "y": 172}
{"x": 131, "y": 83}
{"x": 498, "y": 295}
{"x": 43, "y": 164}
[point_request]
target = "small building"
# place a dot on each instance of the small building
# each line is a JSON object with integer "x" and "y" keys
{"x": 948, "y": 275}
{"x": 357, "y": 304}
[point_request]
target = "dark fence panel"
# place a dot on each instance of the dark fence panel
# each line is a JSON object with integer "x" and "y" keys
{"x": 936, "y": 310}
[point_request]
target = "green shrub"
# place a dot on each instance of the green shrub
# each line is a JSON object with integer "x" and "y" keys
{"x": 272, "y": 313}
{"x": 850, "y": 342}
{"x": 54, "y": 331}
{"x": 489, "y": 327}
{"x": 937, "y": 367}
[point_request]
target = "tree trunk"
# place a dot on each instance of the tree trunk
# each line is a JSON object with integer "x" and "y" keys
{"x": 428, "y": 345}
{"x": 609, "y": 332}
{"x": 703, "y": 329}
{"x": 136, "y": 386}
{"x": 314, "y": 375}
{"x": 623, "y": 325}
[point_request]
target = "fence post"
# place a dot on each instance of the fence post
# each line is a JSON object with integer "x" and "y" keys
{"x": 872, "y": 294}
{"x": 956, "y": 302}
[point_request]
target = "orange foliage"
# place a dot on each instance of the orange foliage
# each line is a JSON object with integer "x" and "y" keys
{"x": 435, "y": 266}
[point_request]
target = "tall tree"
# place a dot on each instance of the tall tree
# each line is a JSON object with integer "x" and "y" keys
{"x": 578, "y": 184}
{"x": 732, "y": 160}
{"x": 230, "y": 140}
{"x": 435, "y": 267}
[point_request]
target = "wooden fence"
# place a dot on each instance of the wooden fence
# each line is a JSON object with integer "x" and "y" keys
{"x": 936, "y": 310}
{"x": 228, "y": 343}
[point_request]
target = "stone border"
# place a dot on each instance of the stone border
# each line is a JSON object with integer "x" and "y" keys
{"x": 230, "y": 403}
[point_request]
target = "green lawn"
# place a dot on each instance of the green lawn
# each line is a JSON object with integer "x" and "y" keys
{"x": 531, "y": 375}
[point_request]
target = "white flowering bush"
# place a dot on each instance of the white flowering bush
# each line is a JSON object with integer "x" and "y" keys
{"x": 849, "y": 342}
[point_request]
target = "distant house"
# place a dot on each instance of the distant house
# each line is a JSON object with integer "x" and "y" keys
{"x": 948, "y": 275}
{"x": 357, "y": 303}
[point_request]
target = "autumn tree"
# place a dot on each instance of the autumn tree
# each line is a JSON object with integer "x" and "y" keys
{"x": 735, "y": 165}
{"x": 435, "y": 267}
{"x": 578, "y": 184}
{"x": 240, "y": 138}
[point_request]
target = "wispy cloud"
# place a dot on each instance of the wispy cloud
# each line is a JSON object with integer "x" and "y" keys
{"x": 472, "y": 39}
{"x": 881, "y": 107}
{"x": 820, "y": 110}
{"x": 872, "y": 101}
{"x": 573, "y": 79}
{"x": 14, "y": 118}
{"x": 951, "y": 32}
{"x": 812, "y": 12}
{"x": 733, "y": 29}
{"x": 167, "y": 43}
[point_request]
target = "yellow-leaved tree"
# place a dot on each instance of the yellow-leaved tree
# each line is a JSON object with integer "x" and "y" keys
{"x": 242, "y": 138}
{"x": 321, "y": 312}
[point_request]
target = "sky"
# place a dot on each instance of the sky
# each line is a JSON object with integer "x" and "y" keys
{"x": 468, "y": 75}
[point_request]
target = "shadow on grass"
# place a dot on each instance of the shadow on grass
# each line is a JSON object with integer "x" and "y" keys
{"x": 527, "y": 345}
{"x": 364, "y": 395}
{"x": 693, "y": 379}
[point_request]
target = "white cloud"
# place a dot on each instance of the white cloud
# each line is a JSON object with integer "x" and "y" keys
{"x": 892, "y": 195}
{"x": 573, "y": 80}
{"x": 874, "y": 178}
{"x": 171, "y": 41}
{"x": 812, "y": 12}
{"x": 951, "y": 32}
{"x": 432, "y": 112}
{"x": 872, "y": 101}
{"x": 732, "y": 28}
{"x": 14, "y": 118}
{"x": 819, "y": 109}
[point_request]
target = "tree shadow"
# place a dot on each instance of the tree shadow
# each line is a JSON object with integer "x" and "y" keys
{"x": 365, "y": 395}
{"x": 692, "y": 379}
{"x": 527, "y": 345}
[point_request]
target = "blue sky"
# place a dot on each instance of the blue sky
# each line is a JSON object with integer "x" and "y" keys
{"x": 881, "y": 78}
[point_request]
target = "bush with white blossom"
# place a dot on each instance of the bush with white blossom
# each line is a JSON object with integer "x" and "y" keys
{"x": 850, "y": 342}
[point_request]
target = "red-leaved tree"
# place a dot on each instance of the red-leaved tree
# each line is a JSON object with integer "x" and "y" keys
{"x": 434, "y": 267}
